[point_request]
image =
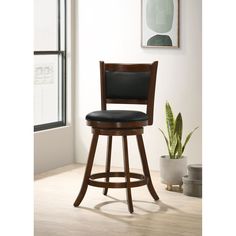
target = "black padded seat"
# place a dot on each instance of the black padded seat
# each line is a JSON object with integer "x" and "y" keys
{"x": 117, "y": 116}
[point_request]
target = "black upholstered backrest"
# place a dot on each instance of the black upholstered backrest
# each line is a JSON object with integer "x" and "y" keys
{"x": 128, "y": 84}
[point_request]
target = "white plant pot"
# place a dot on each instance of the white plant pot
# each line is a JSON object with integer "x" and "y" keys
{"x": 172, "y": 170}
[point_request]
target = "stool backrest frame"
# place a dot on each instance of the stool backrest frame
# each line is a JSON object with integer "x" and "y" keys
{"x": 142, "y": 69}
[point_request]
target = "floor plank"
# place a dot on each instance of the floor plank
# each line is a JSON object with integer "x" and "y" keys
{"x": 173, "y": 215}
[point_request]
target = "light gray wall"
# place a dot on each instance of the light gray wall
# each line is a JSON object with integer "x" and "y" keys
{"x": 111, "y": 31}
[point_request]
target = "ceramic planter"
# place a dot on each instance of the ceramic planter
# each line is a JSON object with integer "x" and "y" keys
{"x": 172, "y": 171}
{"x": 192, "y": 187}
{"x": 192, "y": 183}
{"x": 195, "y": 171}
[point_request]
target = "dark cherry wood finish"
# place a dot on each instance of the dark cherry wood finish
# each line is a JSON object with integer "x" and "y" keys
{"x": 123, "y": 129}
{"x": 145, "y": 166}
{"x": 127, "y": 174}
{"x": 108, "y": 162}
{"x": 142, "y": 180}
{"x": 130, "y": 68}
{"x": 87, "y": 170}
{"x": 117, "y": 125}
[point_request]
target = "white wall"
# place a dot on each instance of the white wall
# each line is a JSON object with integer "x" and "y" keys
{"x": 54, "y": 148}
{"x": 111, "y": 31}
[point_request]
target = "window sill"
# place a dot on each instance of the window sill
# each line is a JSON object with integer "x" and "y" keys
{"x": 53, "y": 129}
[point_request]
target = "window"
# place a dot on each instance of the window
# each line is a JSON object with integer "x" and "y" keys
{"x": 49, "y": 64}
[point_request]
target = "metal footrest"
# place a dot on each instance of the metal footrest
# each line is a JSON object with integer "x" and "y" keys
{"x": 142, "y": 180}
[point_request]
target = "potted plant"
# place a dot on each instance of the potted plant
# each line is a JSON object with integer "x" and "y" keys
{"x": 174, "y": 166}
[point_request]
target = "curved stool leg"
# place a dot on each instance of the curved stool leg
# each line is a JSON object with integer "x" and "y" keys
{"x": 87, "y": 170}
{"x": 127, "y": 174}
{"x": 145, "y": 167}
{"x": 108, "y": 161}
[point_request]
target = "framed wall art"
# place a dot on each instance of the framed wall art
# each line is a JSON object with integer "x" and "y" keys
{"x": 160, "y": 23}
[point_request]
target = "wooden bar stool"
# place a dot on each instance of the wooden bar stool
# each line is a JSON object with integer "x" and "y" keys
{"x": 124, "y": 84}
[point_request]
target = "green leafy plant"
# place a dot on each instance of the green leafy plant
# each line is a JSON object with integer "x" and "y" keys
{"x": 175, "y": 128}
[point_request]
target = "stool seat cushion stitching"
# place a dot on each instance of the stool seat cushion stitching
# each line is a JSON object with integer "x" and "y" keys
{"x": 117, "y": 116}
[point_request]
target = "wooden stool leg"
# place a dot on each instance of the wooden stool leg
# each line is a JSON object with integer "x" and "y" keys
{"x": 87, "y": 170}
{"x": 127, "y": 174}
{"x": 145, "y": 167}
{"x": 108, "y": 160}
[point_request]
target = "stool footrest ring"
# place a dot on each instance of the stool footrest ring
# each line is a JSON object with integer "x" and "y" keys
{"x": 142, "y": 180}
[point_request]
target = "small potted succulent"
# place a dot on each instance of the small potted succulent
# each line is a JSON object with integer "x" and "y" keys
{"x": 174, "y": 166}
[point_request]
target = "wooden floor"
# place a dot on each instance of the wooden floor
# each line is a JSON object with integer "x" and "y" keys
{"x": 173, "y": 215}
